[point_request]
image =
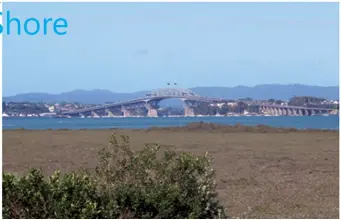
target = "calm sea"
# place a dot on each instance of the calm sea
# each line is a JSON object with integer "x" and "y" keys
{"x": 300, "y": 122}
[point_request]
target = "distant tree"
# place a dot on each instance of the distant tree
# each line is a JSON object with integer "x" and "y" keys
{"x": 271, "y": 100}
{"x": 212, "y": 110}
{"x": 202, "y": 109}
{"x": 63, "y": 103}
{"x": 224, "y": 109}
{"x": 3, "y": 106}
{"x": 253, "y": 108}
{"x": 246, "y": 99}
{"x": 305, "y": 100}
{"x": 241, "y": 107}
{"x": 278, "y": 102}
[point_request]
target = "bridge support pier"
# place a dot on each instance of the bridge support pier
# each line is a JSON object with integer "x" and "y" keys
{"x": 299, "y": 112}
{"x": 269, "y": 111}
{"x": 279, "y": 112}
{"x": 189, "y": 111}
{"x": 152, "y": 111}
{"x": 306, "y": 112}
{"x": 126, "y": 112}
{"x": 94, "y": 114}
{"x": 188, "y": 107}
{"x": 261, "y": 110}
{"x": 109, "y": 113}
{"x": 284, "y": 112}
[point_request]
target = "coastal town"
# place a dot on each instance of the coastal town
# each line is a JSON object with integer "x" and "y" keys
{"x": 241, "y": 107}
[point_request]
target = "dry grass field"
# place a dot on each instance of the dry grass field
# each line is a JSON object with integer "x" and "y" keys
{"x": 260, "y": 174}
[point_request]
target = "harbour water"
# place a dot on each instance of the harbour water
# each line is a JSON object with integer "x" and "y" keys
{"x": 300, "y": 122}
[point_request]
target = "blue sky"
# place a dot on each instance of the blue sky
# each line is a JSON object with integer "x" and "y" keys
{"x": 126, "y": 47}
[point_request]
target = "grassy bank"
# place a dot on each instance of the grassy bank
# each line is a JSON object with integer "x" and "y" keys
{"x": 260, "y": 172}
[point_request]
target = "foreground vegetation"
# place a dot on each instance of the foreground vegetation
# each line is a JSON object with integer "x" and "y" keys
{"x": 126, "y": 184}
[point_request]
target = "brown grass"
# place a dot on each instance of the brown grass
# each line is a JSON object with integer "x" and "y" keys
{"x": 261, "y": 172}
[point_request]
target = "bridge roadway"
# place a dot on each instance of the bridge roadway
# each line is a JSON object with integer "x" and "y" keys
{"x": 290, "y": 106}
{"x": 190, "y": 98}
{"x": 144, "y": 99}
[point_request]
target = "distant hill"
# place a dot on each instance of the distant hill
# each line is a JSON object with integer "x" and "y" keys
{"x": 83, "y": 96}
{"x": 276, "y": 91}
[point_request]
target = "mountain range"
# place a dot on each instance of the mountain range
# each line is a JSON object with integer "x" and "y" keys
{"x": 260, "y": 92}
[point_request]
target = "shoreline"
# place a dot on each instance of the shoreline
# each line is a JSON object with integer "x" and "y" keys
{"x": 175, "y": 116}
{"x": 195, "y": 126}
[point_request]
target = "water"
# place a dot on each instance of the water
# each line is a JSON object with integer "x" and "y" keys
{"x": 300, "y": 122}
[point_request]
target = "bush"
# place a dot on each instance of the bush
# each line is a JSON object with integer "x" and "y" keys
{"x": 126, "y": 184}
{"x": 61, "y": 196}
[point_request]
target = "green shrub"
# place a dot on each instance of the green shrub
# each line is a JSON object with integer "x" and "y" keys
{"x": 61, "y": 196}
{"x": 126, "y": 184}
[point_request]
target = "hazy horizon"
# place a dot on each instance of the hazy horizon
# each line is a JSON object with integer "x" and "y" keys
{"x": 166, "y": 86}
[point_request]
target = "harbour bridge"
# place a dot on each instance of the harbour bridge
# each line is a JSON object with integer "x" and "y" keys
{"x": 190, "y": 100}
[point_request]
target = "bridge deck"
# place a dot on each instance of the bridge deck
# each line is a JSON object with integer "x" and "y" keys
{"x": 143, "y": 99}
{"x": 193, "y": 98}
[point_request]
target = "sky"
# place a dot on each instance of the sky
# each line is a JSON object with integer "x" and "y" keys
{"x": 127, "y": 47}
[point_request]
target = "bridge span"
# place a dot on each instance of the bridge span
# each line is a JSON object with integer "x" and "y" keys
{"x": 190, "y": 100}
